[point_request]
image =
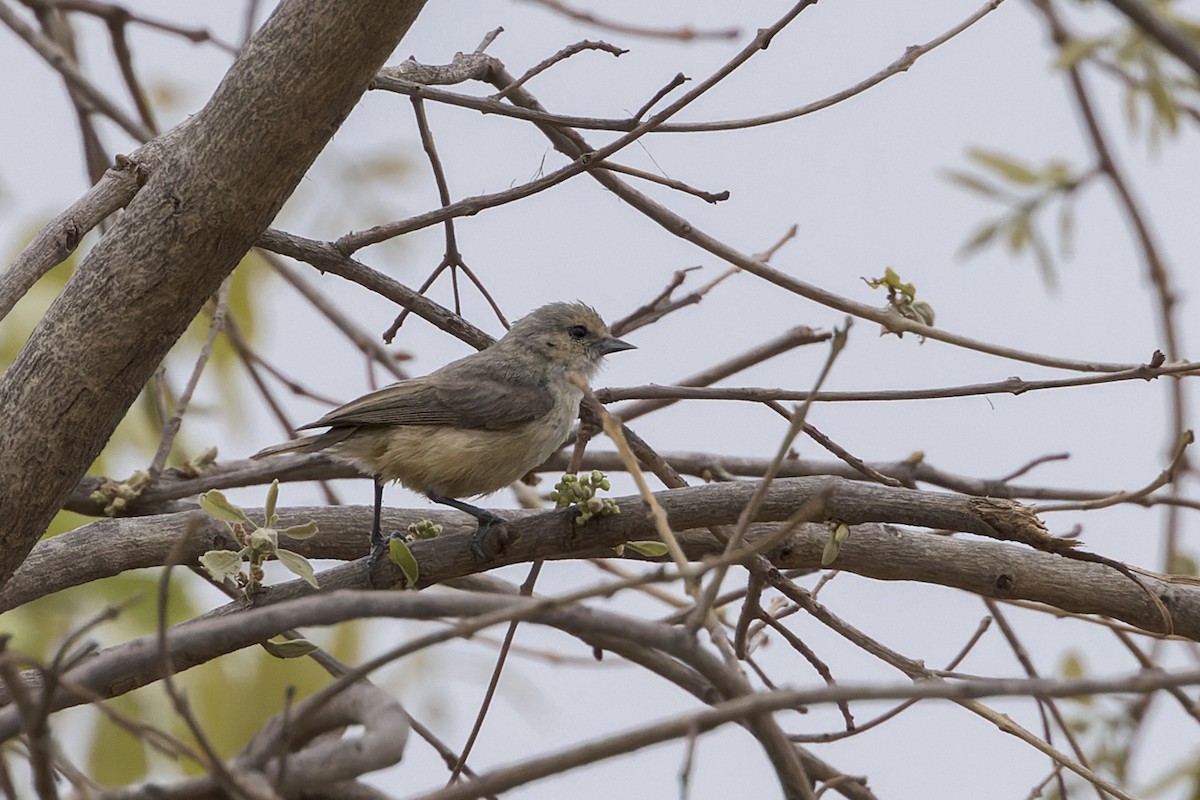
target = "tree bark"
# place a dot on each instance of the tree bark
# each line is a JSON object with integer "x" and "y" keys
{"x": 219, "y": 184}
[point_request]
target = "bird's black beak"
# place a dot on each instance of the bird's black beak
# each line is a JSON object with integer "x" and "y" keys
{"x": 611, "y": 344}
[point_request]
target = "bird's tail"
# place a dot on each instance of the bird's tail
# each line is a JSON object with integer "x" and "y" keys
{"x": 307, "y": 444}
{"x": 304, "y": 444}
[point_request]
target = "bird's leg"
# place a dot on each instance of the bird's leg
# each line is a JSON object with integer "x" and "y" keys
{"x": 377, "y": 548}
{"x": 487, "y": 521}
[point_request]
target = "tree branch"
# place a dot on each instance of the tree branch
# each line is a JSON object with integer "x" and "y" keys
{"x": 234, "y": 165}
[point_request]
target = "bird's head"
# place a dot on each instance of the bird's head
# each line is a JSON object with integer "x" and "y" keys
{"x": 567, "y": 336}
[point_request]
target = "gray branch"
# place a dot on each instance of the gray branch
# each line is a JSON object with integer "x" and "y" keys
{"x": 231, "y": 169}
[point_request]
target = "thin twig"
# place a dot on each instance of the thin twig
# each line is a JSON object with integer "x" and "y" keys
{"x": 684, "y": 34}
{"x": 452, "y": 259}
{"x": 171, "y": 428}
{"x": 679, "y": 80}
{"x": 708, "y": 197}
{"x": 561, "y": 55}
{"x": 60, "y": 61}
{"x": 900, "y": 65}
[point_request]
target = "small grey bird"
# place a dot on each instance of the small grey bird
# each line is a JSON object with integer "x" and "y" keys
{"x": 477, "y": 424}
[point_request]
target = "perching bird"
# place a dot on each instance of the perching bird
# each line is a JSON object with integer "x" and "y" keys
{"x": 477, "y": 424}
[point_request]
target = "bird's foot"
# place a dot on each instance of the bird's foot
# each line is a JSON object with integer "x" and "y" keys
{"x": 376, "y": 559}
{"x": 490, "y": 537}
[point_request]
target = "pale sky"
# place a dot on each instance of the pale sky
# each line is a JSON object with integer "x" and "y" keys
{"x": 864, "y": 182}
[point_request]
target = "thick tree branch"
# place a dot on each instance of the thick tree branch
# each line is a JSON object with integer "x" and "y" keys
{"x": 234, "y": 165}
{"x": 989, "y": 569}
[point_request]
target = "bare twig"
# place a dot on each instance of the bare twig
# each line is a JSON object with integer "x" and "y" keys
{"x": 684, "y": 34}
{"x": 679, "y": 80}
{"x": 561, "y": 55}
{"x": 60, "y": 61}
{"x": 172, "y": 425}
{"x": 395, "y": 83}
{"x": 1014, "y": 386}
{"x": 583, "y": 161}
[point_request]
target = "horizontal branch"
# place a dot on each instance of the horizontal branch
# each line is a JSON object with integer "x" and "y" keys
{"x": 1013, "y": 386}
{"x": 986, "y": 568}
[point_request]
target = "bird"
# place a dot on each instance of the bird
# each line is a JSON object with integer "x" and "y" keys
{"x": 475, "y": 425}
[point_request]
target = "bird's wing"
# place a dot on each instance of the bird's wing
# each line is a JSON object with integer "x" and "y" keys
{"x": 458, "y": 402}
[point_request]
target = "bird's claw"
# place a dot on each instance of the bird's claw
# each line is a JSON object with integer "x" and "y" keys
{"x": 376, "y": 558}
{"x": 484, "y": 544}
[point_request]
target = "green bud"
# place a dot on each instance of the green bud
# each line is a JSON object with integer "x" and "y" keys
{"x": 424, "y": 529}
{"x": 264, "y": 540}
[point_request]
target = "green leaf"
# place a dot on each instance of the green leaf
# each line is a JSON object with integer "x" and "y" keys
{"x": 1066, "y": 228}
{"x": 922, "y": 312}
{"x": 222, "y": 564}
{"x": 1041, "y": 254}
{"x": 972, "y": 183}
{"x": 305, "y": 531}
{"x": 264, "y": 540}
{"x": 220, "y": 508}
{"x": 298, "y": 565}
{"x": 1072, "y": 668}
{"x": 1019, "y": 233}
{"x": 1004, "y": 166}
{"x": 269, "y": 510}
{"x": 982, "y": 235}
{"x": 1075, "y": 50}
{"x": 1132, "y": 115}
{"x": 1182, "y": 564}
{"x": 1165, "y": 108}
{"x": 834, "y": 546}
{"x": 892, "y": 281}
{"x": 403, "y": 558}
{"x": 289, "y": 648}
{"x": 648, "y": 549}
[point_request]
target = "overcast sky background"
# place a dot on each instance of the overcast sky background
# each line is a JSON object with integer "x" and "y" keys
{"x": 863, "y": 180}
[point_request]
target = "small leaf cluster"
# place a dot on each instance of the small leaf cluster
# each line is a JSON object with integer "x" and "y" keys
{"x": 114, "y": 497}
{"x": 1029, "y": 190}
{"x": 195, "y": 468}
{"x": 401, "y": 554}
{"x": 259, "y": 543}
{"x": 1148, "y": 75}
{"x": 902, "y": 298}
{"x": 580, "y": 492}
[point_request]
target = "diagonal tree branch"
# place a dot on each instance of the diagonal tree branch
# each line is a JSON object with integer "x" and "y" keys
{"x": 234, "y": 165}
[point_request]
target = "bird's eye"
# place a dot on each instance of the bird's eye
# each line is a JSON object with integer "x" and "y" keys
{"x": 577, "y": 331}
